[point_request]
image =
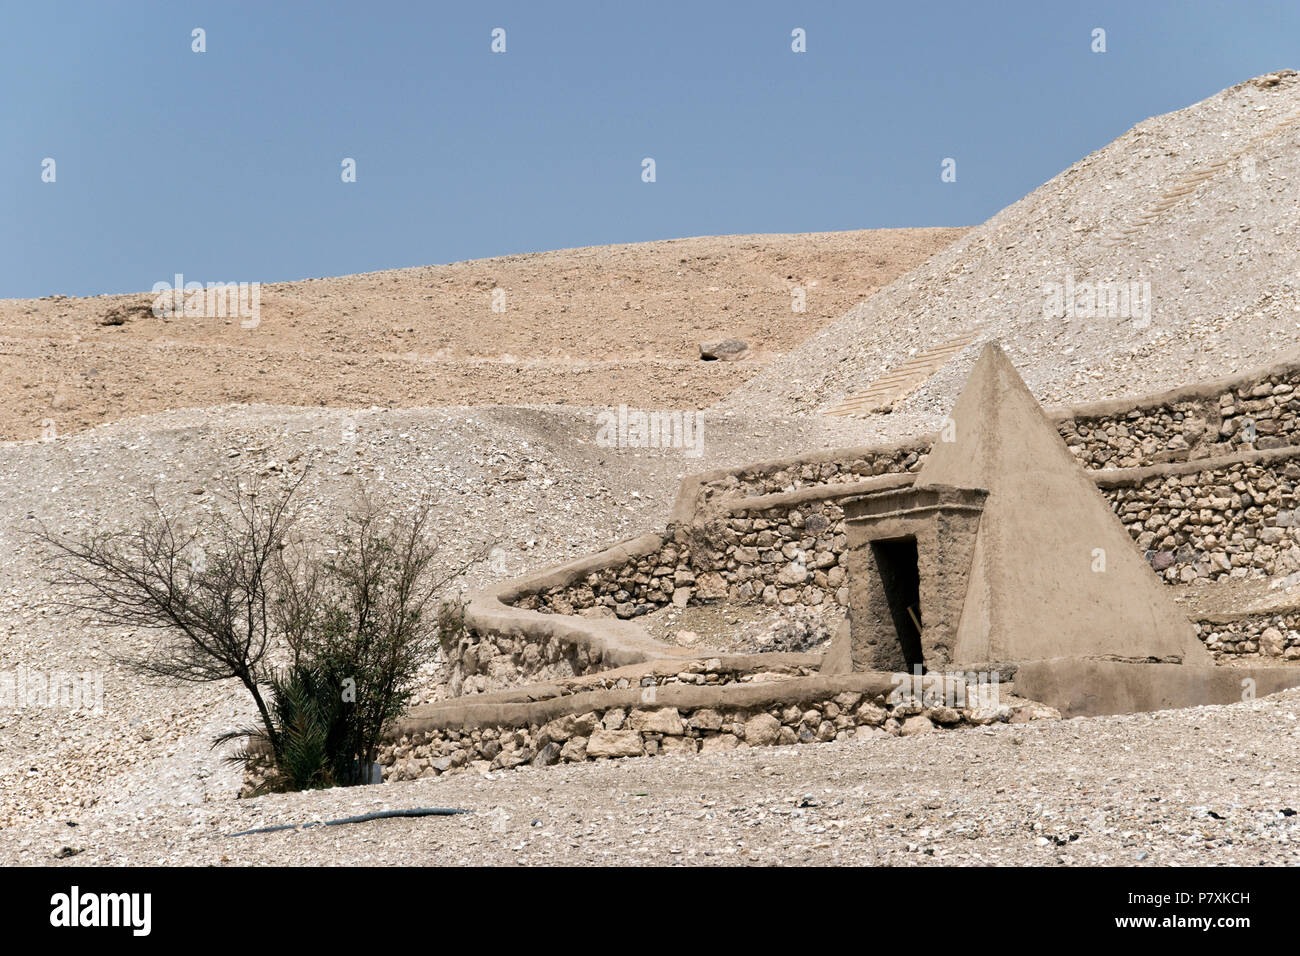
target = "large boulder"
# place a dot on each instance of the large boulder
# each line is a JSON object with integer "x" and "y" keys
{"x": 718, "y": 743}
{"x": 575, "y": 751}
{"x": 705, "y": 719}
{"x": 762, "y": 730}
{"x": 615, "y": 743}
{"x": 916, "y": 725}
{"x": 678, "y": 745}
{"x": 570, "y": 725}
{"x": 724, "y": 350}
{"x": 1272, "y": 643}
{"x": 663, "y": 720}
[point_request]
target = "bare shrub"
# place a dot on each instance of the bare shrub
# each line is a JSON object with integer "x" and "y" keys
{"x": 327, "y": 643}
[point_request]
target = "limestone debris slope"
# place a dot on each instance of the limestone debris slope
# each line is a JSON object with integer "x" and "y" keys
{"x": 1201, "y": 204}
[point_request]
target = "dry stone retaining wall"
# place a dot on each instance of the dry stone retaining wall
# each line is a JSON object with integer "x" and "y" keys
{"x": 1255, "y": 412}
{"x": 765, "y": 549}
{"x": 1268, "y": 636}
{"x": 823, "y": 468}
{"x": 1228, "y": 519}
{"x": 1235, "y": 519}
{"x": 481, "y": 662}
{"x": 485, "y": 663}
{"x": 704, "y": 560}
{"x": 649, "y": 731}
{"x": 787, "y": 555}
{"x": 1138, "y": 438}
{"x": 629, "y": 590}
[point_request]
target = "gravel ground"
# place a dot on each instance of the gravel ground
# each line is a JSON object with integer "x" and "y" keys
{"x": 745, "y": 628}
{"x": 1208, "y": 785}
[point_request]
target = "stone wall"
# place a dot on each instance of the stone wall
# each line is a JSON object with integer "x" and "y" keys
{"x": 1262, "y": 416}
{"x": 1138, "y": 438}
{"x": 824, "y": 468}
{"x": 709, "y": 553}
{"x": 485, "y": 663}
{"x": 1254, "y": 413}
{"x": 649, "y": 731}
{"x": 786, "y": 555}
{"x": 1266, "y": 636}
{"x": 713, "y": 672}
{"x": 636, "y": 587}
{"x": 1258, "y": 410}
{"x": 1235, "y": 520}
{"x": 482, "y": 662}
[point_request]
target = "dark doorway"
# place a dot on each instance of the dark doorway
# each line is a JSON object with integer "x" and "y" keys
{"x": 896, "y": 561}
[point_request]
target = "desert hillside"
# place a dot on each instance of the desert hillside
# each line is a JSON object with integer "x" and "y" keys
{"x": 1195, "y": 212}
{"x": 1201, "y": 204}
{"x": 592, "y": 326}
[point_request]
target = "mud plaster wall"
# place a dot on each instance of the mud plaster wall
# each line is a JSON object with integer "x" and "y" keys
{"x": 945, "y": 542}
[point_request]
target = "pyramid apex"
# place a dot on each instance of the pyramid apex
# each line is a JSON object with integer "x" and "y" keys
{"x": 995, "y": 426}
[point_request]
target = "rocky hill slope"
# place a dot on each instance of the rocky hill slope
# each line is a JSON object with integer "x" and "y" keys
{"x": 1194, "y": 217}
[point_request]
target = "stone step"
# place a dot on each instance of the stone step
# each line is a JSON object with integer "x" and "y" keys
{"x": 903, "y": 380}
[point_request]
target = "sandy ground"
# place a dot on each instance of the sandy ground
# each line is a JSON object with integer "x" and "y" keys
{"x": 602, "y": 325}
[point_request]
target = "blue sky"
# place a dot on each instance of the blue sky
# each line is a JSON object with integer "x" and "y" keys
{"x": 225, "y": 165}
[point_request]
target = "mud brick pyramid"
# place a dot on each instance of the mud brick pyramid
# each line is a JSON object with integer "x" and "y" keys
{"x": 1006, "y": 549}
{"x": 1054, "y": 573}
